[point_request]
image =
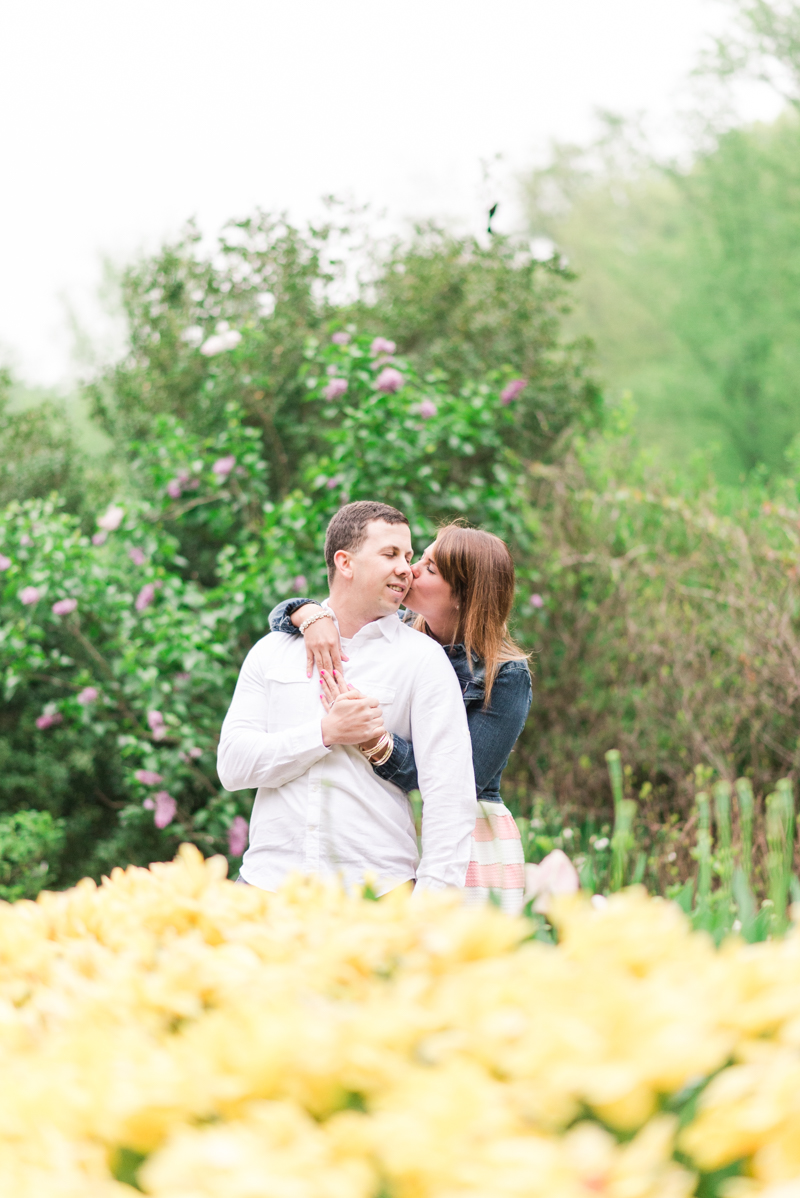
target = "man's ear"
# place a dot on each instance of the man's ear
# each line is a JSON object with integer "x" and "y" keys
{"x": 343, "y": 561}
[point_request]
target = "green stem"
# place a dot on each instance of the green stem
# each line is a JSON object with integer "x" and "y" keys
{"x": 744, "y": 793}
{"x": 722, "y": 813}
{"x": 614, "y": 762}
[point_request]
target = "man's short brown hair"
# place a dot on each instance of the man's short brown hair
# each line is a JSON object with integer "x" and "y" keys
{"x": 348, "y": 528}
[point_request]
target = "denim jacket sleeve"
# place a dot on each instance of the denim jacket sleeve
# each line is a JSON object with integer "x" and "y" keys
{"x": 279, "y": 617}
{"x": 401, "y": 768}
{"x": 494, "y": 732}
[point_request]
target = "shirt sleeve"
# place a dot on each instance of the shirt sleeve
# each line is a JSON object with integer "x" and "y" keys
{"x": 280, "y": 616}
{"x": 443, "y": 755}
{"x": 249, "y": 754}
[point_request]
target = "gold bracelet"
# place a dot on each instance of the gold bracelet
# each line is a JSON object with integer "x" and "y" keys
{"x": 389, "y": 750}
{"x": 376, "y": 748}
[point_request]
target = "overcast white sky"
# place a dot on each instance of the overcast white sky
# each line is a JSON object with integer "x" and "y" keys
{"x": 118, "y": 120}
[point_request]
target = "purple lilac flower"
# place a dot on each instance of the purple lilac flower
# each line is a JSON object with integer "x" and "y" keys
{"x": 389, "y": 380}
{"x": 30, "y": 595}
{"x": 382, "y": 346}
{"x": 136, "y": 555}
{"x": 537, "y": 600}
{"x": 25, "y": 540}
{"x": 48, "y": 719}
{"x": 100, "y": 538}
{"x": 174, "y": 488}
{"x": 335, "y": 389}
{"x": 237, "y": 836}
{"x": 223, "y": 466}
{"x": 166, "y": 807}
{"x": 145, "y": 597}
{"x": 300, "y": 583}
{"x": 149, "y": 805}
{"x": 156, "y": 721}
{"x": 5, "y": 562}
{"x": 111, "y": 518}
{"x": 89, "y": 694}
{"x": 339, "y": 339}
{"x": 427, "y": 409}
{"x": 64, "y": 606}
{"x": 148, "y": 777}
{"x": 512, "y": 390}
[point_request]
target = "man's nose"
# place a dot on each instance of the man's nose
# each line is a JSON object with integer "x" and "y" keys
{"x": 403, "y": 569}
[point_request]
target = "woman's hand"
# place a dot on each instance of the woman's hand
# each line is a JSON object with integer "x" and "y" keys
{"x": 323, "y": 645}
{"x": 351, "y": 718}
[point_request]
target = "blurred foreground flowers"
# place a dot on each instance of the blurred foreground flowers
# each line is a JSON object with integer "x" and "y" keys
{"x": 176, "y": 1032}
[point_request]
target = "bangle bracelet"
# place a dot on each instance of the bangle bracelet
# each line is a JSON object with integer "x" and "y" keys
{"x": 321, "y": 615}
{"x": 384, "y": 749}
{"x": 376, "y": 748}
{"x": 389, "y": 750}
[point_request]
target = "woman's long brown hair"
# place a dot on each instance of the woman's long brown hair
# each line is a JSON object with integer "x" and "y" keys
{"x": 479, "y": 569}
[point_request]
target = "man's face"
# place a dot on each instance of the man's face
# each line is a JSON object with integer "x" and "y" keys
{"x": 381, "y": 567}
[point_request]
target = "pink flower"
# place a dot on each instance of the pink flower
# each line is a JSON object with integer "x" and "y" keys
{"x": 148, "y": 777}
{"x": 389, "y": 380}
{"x": 223, "y": 466}
{"x": 29, "y": 595}
{"x": 555, "y": 875}
{"x": 537, "y": 600}
{"x": 100, "y": 538}
{"x": 156, "y": 721}
{"x": 334, "y": 482}
{"x": 194, "y": 752}
{"x": 300, "y": 583}
{"x": 149, "y": 805}
{"x": 136, "y": 555}
{"x": 512, "y": 390}
{"x": 111, "y": 518}
{"x": 174, "y": 488}
{"x": 25, "y": 540}
{"x": 381, "y": 346}
{"x": 427, "y": 409}
{"x": 89, "y": 694}
{"x": 237, "y": 836}
{"x": 64, "y": 606}
{"x": 5, "y": 562}
{"x": 335, "y": 388}
{"x": 145, "y": 597}
{"x": 166, "y": 807}
{"x": 48, "y": 719}
{"x": 340, "y": 339}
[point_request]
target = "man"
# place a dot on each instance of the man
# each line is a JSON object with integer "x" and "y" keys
{"x": 320, "y": 808}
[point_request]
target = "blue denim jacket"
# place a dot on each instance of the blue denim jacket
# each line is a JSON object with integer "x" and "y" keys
{"x": 494, "y": 731}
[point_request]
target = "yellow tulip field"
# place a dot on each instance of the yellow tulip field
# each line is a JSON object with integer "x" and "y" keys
{"x": 174, "y": 1032}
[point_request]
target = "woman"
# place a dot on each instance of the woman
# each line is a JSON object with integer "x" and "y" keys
{"x": 461, "y": 595}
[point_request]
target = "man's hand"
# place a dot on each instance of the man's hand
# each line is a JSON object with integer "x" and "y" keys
{"x": 352, "y": 719}
{"x": 323, "y": 646}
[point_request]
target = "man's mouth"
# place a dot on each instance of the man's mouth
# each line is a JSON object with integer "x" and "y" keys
{"x": 398, "y": 588}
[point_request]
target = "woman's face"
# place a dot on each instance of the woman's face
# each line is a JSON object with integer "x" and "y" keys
{"x": 429, "y": 595}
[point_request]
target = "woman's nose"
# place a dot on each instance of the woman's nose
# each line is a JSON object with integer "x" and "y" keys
{"x": 415, "y": 570}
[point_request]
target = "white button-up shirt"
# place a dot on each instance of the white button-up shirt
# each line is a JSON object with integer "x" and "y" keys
{"x": 324, "y": 810}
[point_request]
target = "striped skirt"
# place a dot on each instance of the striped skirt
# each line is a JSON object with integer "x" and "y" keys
{"x": 497, "y": 861}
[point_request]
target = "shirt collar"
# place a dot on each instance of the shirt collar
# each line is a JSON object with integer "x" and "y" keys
{"x": 386, "y": 626}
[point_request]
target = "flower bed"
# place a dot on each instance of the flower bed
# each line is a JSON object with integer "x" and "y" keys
{"x": 175, "y": 1031}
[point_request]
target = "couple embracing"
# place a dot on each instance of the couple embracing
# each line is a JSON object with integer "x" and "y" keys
{"x": 431, "y": 701}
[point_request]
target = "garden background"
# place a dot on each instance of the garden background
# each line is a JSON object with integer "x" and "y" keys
{"x": 645, "y": 475}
